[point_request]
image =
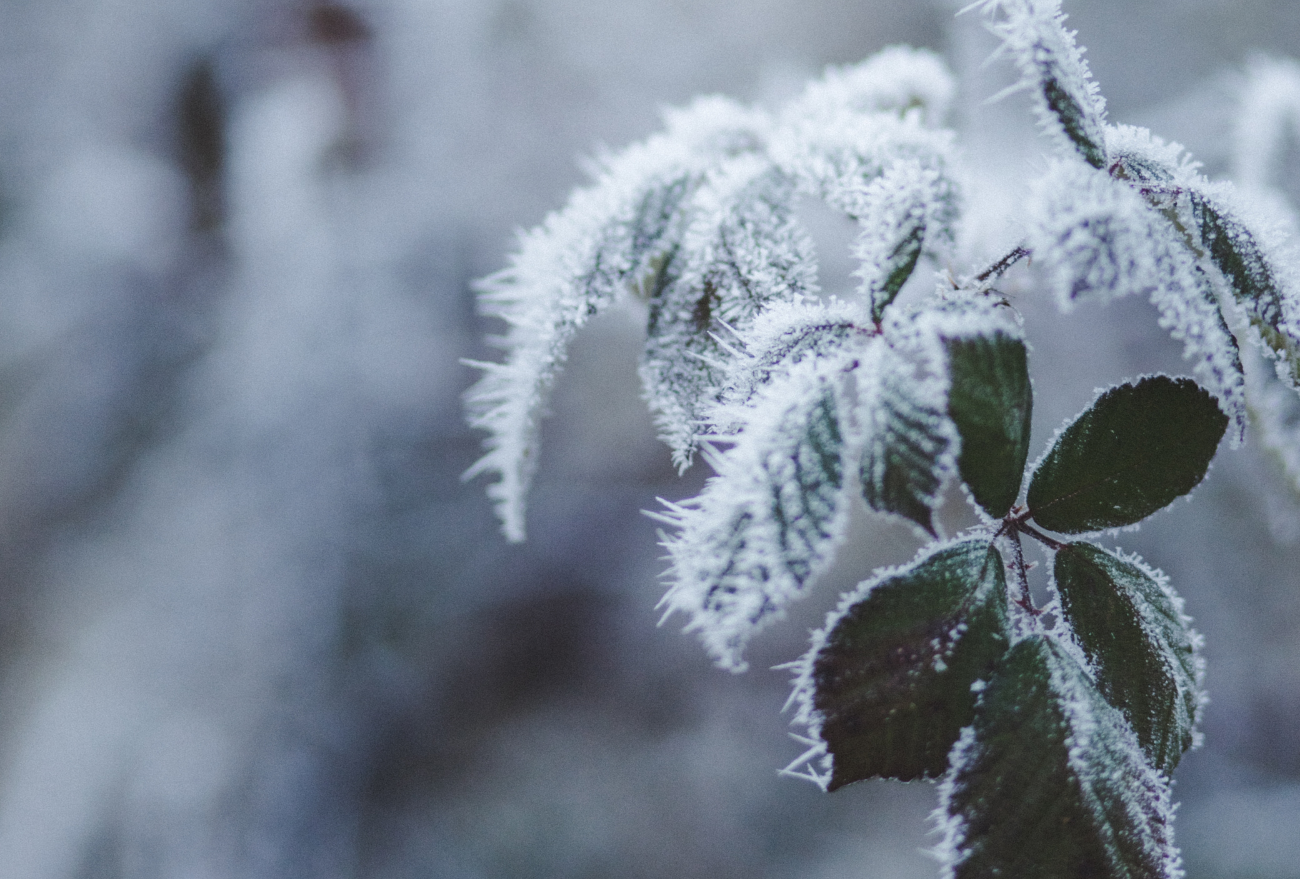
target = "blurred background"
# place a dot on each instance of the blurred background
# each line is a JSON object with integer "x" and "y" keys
{"x": 252, "y": 624}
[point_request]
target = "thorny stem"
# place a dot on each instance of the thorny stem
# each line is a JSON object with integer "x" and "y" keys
{"x": 1039, "y": 536}
{"x": 999, "y": 268}
{"x": 1015, "y": 524}
{"x": 1012, "y": 529}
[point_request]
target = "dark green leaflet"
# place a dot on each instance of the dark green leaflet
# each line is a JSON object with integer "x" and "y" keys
{"x": 1079, "y": 128}
{"x": 990, "y": 402}
{"x": 904, "y": 458}
{"x": 1051, "y": 784}
{"x": 902, "y": 261}
{"x": 1138, "y": 448}
{"x": 1236, "y": 253}
{"x": 806, "y": 488}
{"x": 1137, "y": 641}
{"x": 893, "y": 679}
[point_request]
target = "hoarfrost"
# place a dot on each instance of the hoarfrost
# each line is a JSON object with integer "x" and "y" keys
{"x": 767, "y": 524}
{"x": 578, "y": 262}
{"x": 909, "y": 443}
{"x": 1096, "y": 236}
{"x": 1067, "y": 101}
{"x": 899, "y": 80}
{"x": 906, "y": 211}
{"x": 743, "y": 250}
{"x": 781, "y": 337}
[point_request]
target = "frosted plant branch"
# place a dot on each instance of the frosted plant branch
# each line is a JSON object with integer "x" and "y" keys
{"x": 807, "y": 406}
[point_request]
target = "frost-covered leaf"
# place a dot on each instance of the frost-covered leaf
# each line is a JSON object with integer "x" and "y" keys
{"x": 863, "y": 140}
{"x": 1051, "y": 66}
{"x": 1131, "y": 626}
{"x": 1138, "y": 448}
{"x": 609, "y": 236}
{"x": 897, "y": 209}
{"x": 768, "y": 523}
{"x": 1099, "y": 237}
{"x": 1255, "y": 283}
{"x": 908, "y": 440}
{"x": 990, "y": 400}
{"x": 781, "y": 337}
{"x": 836, "y": 140}
{"x": 892, "y": 678}
{"x": 1050, "y": 782}
{"x": 1236, "y": 253}
{"x": 743, "y": 251}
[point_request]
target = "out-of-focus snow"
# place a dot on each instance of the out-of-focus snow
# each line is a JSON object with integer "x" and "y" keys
{"x": 252, "y": 623}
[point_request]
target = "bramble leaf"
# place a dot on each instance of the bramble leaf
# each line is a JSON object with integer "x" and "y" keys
{"x": 1235, "y": 252}
{"x": 898, "y": 267}
{"x": 1053, "y": 69}
{"x": 1131, "y": 626}
{"x": 744, "y": 250}
{"x": 784, "y": 335}
{"x": 767, "y": 524}
{"x": 1050, "y": 782}
{"x": 617, "y": 233}
{"x": 890, "y": 681}
{"x": 990, "y": 401}
{"x": 1138, "y": 448}
{"x": 1097, "y": 236}
{"x": 909, "y": 441}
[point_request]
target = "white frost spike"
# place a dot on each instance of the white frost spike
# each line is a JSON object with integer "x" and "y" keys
{"x": 899, "y": 80}
{"x": 576, "y": 263}
{"x": 835, "y": 159}
{"x": 767, "y": 525}
{"x": 1068, "y": 103}
{"x": 907, "y": 211}
{"x": 743, "y": 251}
{"x": 781, "y": 337}
{"x": 1096, "y": 236}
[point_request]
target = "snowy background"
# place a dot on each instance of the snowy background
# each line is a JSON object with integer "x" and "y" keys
{"x": 251, "y": 622}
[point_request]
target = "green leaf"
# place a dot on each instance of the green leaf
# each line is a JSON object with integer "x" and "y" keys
{"x": 1236, "y": 253}
{"x": 898, "y": 268}
{"x": 907, "y": 454}
{"x": 892, "y": 678}
{"x": 744, "y": 250}
{"x": 1082, "y": 130}
{"x": 805, "y": 490}
{"x": 1138, "y": 448}
{"x": 1049, "y": 783}
{"x": 767, "y": 524}
{"x": 1132, "y": 628}
{"x": 991, "y": 401}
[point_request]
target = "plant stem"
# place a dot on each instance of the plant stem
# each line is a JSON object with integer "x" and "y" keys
{"x": 1022, "y": 574}
{"x": 999, "y": 268}
{"x": 1038, "y": 535}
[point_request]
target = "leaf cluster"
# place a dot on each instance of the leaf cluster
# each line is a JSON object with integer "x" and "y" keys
{"x": 1053, "y": 729}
